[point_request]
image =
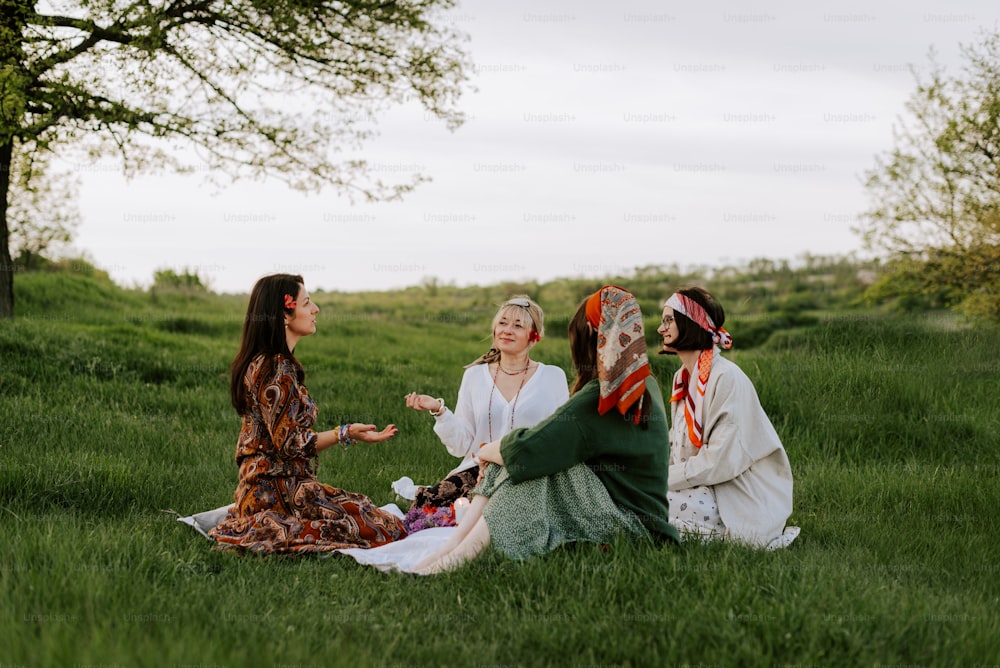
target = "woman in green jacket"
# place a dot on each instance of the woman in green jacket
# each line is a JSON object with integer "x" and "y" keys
{"x": 594, "y": 469}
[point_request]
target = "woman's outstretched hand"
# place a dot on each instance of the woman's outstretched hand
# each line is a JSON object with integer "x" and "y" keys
{"x": 368, "y": 433}
{"x": 422, "y": 402}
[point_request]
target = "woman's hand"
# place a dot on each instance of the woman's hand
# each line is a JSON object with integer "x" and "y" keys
{"x": 490, "y": 452}
{"x": 422, "y": 402}
{"x": 368, "y": 433}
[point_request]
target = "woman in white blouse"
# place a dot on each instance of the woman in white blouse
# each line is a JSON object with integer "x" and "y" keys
{"x": 501, "y": 390}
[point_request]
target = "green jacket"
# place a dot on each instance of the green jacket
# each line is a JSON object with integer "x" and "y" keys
{"x": 631, "y": 462}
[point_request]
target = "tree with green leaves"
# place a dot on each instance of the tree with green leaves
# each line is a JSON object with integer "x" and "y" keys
{"x": 42, "y": 211}
{"x": 244, "y": 88}
{"x": 935, "y": 197}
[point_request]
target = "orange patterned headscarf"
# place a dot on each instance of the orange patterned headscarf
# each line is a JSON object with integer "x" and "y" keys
{"x": 594, "y": 309}
{"x": 622, "y": 364}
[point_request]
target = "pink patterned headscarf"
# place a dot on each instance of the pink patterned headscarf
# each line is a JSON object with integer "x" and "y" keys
{"x": 686, "y": 306}
{"x": 622, "y": 364}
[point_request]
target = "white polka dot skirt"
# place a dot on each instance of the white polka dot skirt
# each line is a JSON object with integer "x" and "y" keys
{"x": 694, "y": 511}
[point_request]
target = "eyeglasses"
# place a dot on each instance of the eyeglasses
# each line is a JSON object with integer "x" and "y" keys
{"x": 667, "y": 319}
{"x": 523, "y": 303}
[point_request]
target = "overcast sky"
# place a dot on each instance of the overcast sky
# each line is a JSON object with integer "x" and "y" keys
{"x": 603, "y": 136}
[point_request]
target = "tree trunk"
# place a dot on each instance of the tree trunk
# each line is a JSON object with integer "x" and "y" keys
{"x": 13, "y": 19}
{"x": 6, "y": 263}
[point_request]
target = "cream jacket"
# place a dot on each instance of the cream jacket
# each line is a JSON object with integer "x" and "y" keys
{"x": 741, "y": 457}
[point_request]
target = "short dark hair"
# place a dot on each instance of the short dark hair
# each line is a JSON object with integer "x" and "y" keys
{"x": 690, "y": 335}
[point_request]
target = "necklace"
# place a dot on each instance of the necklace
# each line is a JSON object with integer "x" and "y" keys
{"x": 513, "y": 373}
{"x": 513, "y": 408}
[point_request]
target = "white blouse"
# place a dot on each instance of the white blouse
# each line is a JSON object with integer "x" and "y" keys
{"x": 465, "y": 429}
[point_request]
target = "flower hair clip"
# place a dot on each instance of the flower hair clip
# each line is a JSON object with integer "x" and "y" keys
{"x": 289, "y": 302}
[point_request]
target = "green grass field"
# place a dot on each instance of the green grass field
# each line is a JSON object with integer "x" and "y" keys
{"x": 114, "y": 416}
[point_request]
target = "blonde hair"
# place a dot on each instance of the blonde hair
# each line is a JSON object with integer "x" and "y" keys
{"x": 517, "y": 307}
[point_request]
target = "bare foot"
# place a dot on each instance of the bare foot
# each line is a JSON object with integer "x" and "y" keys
{"x": 434, "y": 556}
{"x": 471, "y": 547}
{"x": 472, "y": 517}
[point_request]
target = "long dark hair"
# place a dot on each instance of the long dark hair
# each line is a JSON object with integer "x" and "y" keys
{"x": 583, "y": 348}
{"x": 264, "y": 332}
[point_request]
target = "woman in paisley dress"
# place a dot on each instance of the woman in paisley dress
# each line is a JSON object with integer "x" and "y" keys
{"x": 279, "y": 504}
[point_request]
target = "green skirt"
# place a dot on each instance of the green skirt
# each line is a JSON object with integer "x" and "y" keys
{"x": 533, "y": 517}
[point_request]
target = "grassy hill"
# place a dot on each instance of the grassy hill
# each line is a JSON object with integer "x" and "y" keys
{"x": 114, "y": 410}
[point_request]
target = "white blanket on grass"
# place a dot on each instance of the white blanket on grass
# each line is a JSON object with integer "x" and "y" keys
{"x": 400, "y": 555}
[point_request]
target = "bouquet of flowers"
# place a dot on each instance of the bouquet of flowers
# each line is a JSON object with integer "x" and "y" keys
{"x": 427, "y": 516}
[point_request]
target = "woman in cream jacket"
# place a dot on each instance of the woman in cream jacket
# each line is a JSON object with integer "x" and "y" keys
{"x": 729, "y": 475}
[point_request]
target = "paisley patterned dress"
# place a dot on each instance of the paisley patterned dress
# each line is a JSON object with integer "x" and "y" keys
{"x": 279, "y": 505}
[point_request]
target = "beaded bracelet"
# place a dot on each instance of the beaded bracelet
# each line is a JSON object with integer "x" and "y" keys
{"x": 343, "y": 436}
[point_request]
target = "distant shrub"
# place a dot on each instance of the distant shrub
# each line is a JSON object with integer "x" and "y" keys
{"x": 187, "y": 281}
